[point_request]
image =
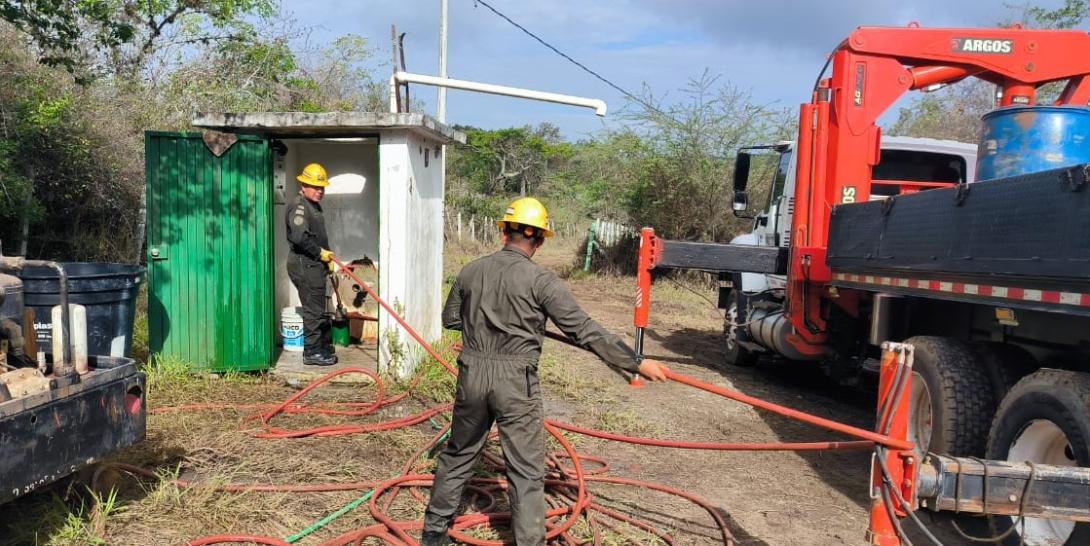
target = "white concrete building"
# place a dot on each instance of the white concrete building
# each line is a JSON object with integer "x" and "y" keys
{"x": 384, "y": 202}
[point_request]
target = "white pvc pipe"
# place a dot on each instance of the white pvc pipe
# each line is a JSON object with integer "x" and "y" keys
{"x": 393, "y": 94}
{"x": 77, "y": 329}
{"x": 79, "y": 337}
{"x": 442, "y": 102}
{"x": 598, "y": 105}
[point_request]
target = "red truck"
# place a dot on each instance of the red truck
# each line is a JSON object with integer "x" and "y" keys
{"x": 978, "y": 256}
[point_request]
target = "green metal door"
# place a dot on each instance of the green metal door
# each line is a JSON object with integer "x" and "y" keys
{"x": 210, "y": 252}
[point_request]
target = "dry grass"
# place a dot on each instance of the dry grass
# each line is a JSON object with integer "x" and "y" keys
{"x": 623, "y": 535}
{"x": 434, "y": 382}
{"x": 216, "y": 447}
{"x": 621, "y": 421}
{"x": 563, "y": 380}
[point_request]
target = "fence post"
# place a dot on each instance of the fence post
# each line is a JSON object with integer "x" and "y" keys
{"x": 459, "y": 225}
{"x": 590, "y": 245}
{"x": 473, "y": 228}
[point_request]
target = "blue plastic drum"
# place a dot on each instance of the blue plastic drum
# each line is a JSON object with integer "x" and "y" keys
{"x": 1025, "y": 139}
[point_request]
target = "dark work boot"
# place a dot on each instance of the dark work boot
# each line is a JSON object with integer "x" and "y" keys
{"x": 432, "y": 538}
{"x": 330, "y": 352}
{"x": 318, "y": 359}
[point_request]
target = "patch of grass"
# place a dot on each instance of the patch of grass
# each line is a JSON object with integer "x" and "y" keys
{"x": 623, "y": 535}
{"x": 140, "y": 338}
{"x": 575, "y": 274}
{"x": 568, "y": 384}
{"x": 435, "y": 382}
{"x": 77, "y": 520}
{"x": 626, "y": 422}
{"x": 685, "y": 292}
{"x": 175, "y": 381}
{"x": 168, "y": 370}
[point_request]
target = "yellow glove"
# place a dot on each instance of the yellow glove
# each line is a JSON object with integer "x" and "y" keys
{"x": 326, "y": 256}
{"x": 332, "y": 266}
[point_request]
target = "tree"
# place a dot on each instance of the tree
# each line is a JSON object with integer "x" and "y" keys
{"x": 88, "y": 36}
{"x": 681, "y": 176}
{"x": 510, "y": 160}
{"x": 951, "y": 113}
{"x": 58, "y": 28}
{"x": 1068, "y": 15}
{"x": 954, "y": 112}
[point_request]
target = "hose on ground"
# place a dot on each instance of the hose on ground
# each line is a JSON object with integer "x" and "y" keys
{"x": 566, "y": 488}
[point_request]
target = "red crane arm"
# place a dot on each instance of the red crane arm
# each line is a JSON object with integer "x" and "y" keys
{"x": 839, "y": 141}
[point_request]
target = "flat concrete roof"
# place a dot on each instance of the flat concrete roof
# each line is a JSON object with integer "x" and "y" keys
{"x": 331, "y": 124}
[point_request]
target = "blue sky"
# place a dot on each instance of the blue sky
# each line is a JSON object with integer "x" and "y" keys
{"x": 772, "y": 48}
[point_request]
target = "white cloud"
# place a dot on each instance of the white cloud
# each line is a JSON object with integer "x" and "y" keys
{"x": 772, "y": 47}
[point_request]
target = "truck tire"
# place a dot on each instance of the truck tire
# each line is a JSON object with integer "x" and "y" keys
{"x": 1004, "y": 364}
{"x": 1045, "y": 418}
{"x": 952, "y": 400}
{"x": 733, "y": 352}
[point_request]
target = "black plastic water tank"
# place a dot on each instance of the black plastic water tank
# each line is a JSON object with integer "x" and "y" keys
{"x": 107, "y": 290}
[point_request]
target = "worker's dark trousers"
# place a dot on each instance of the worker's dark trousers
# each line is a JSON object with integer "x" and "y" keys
{"x": 309, "y": 278}
{"x": 504, "y": 390}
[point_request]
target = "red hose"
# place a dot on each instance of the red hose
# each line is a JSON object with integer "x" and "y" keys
{"x": 797, "y": 415}
{"x": 572, "y": 500}
{"x": 715, "y": 446}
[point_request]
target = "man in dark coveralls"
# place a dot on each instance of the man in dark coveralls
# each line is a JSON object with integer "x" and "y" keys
{"x": 309, "y": 262}
{"x": 500, "y": 303}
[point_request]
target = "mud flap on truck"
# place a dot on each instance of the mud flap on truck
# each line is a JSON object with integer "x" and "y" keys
{"x": 47, "y": 436}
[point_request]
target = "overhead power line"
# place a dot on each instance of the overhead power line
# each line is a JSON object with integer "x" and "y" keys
{"x": 582, "y": 66}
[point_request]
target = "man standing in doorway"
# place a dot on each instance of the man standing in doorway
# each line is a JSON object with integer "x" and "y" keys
{"x": 309, "y": 262}
{"x": 500, "y": 303}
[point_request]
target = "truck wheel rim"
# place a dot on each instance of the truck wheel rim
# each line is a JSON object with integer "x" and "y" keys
{"x": 922, "y": 418}
{"x": 1045, "y": 443}
{"x": 732, "y": 319}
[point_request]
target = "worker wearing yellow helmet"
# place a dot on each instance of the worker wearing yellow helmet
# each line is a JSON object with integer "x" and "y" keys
{"x": 500, "y": 303}
{"x": 309, "y": 260}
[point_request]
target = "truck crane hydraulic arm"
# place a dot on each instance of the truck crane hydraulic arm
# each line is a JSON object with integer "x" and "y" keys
{"x": 839, "y": 142}
{"x": 968, "y": 261}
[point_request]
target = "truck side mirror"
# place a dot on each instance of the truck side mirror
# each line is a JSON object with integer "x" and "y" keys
{"x": 740, "y": 202}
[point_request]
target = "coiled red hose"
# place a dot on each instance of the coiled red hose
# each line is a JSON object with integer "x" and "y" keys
{"x": 567, "y": 491}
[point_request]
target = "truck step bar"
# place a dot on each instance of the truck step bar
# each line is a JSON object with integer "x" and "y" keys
{"x": 718, "y": 257}
{"x": 976, "y": 486}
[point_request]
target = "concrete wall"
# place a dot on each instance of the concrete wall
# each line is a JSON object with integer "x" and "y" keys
{"x": 411, "y": 275}
{"x": 385, "y": 201}
{"x": 350, "y": 205}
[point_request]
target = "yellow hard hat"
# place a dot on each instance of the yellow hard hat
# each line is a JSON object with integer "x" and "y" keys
{"x": 527, "y": 212}
{"x": 314, "y": 175}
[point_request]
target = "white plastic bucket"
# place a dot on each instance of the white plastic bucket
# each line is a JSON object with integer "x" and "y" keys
{"x": 291, "y": 329}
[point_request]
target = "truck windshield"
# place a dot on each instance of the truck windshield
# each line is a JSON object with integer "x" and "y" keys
{"x": 779, "y": 179}
{"x": 916, "y": 166}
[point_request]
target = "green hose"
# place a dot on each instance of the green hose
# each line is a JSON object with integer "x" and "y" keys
{"x": 329, "y": 519}
{"x": 318, "y": 525}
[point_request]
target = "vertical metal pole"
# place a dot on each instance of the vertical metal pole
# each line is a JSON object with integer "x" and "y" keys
{"x": 590, "y": 244}
{"x": 442, "y": 102}
{"x": 892, "y": 420}
{"x": 395, "y": 93}
{"x": 643, "y": 285}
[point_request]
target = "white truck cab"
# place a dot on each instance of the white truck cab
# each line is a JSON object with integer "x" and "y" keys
{"x": 903, "y": 159}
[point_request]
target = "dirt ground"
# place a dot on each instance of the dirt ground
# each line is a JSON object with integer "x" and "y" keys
{"x": 771, "y": 499}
